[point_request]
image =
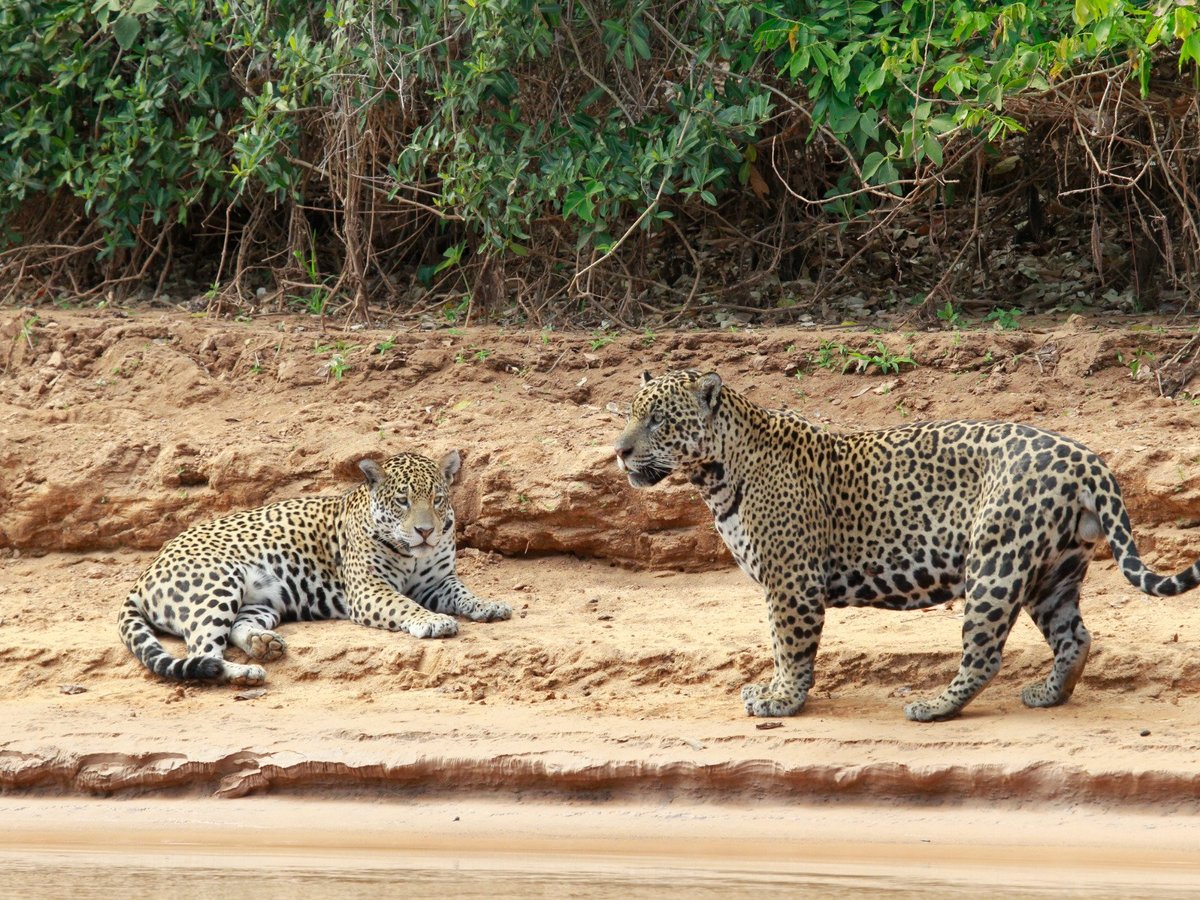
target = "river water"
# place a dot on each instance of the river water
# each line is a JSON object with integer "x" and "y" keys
{"x": 96, "y": 874}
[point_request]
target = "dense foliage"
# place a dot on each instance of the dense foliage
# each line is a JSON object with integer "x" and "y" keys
{"x": 525, "y": 147}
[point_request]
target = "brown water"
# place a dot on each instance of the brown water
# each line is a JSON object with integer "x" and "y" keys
{"x": 91, "y": 874}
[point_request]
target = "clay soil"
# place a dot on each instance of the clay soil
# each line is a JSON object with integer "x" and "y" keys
{"x": 618, "y": 677}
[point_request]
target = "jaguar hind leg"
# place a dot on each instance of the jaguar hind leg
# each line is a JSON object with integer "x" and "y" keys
{"x": 217, "y": 606}
{"x": 253, "y": 633}
{"x": 1055, "y": 610}
{"x": 209, "y": 637}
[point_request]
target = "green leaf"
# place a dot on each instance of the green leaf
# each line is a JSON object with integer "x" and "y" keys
{"x": 941, "y": 124}
{"x": 139, "y": 7}
{"x": 871, "y": 165}
{"x": 933, "y": 149}
{"x": 873, "y": 81}
{"x": 579, "y": 204}
{"x": 126, "y": 29}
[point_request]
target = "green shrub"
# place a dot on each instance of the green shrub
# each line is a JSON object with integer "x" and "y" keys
{"x": 126, "y": 111}
{"x": 437, "y": 137}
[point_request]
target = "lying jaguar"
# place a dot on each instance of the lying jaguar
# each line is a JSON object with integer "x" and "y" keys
{"x": 1005, "y": 515}
{"x": 381, "y": 554}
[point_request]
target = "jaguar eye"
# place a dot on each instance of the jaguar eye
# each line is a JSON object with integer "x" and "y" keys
{"x": 656, "y": 420}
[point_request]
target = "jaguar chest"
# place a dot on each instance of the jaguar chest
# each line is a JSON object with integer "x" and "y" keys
{"x": 725, "y": 497}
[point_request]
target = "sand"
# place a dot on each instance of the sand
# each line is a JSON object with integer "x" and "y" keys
{"x": 615, "y": 685}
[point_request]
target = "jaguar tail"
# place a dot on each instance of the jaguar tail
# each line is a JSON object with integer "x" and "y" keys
{"x": 1105, "y": 514}
{"x": 139, "y": 636}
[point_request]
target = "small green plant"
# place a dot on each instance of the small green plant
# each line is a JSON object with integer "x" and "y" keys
{"x": 451, "y": 256}
{"x": 600, "y": 339}
{"x": 648, "y": 338}
{"x": 949, "y": 315}
{"x": 27, "y": 332}
{"x": 544, "y": 336}
{"x": 1005, "y": 319}
{"x": 317, "y": 298}
{"x": 338, "y": 366}
{"x": 127, "y": 367}
{"x": 337, "y": 363}
{"x": 1134, "y": 363}
{"x": 454, "y": 312}
{"x": 830, "y": 355}
{"x": 471, "y": 354}
{"x": 384, "y": 346}
{"x": 877, "y": 354}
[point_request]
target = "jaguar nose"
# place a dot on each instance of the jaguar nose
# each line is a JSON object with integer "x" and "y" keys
{"x": 623, "y": 448}
{"x": 424, "y": 531}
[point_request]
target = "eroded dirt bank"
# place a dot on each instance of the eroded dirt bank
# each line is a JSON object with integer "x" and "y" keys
{"x": 619, "y": 675}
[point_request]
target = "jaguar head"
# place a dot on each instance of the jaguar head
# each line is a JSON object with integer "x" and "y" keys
{"x": 670, "y": 425}
{"x": 410, "y": 501}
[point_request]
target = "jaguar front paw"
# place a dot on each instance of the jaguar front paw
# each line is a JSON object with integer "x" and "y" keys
{"x": 770, "y": 701}
{"x": 482, "y": 611}
{"x": 435, "y": 625}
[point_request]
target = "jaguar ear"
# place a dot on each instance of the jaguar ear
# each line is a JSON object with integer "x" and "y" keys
{"x": 372, "y": 471}
{"x": 647, "y": 378}
{"x": 708, "y": 392}
{"x": 450, "y": 465}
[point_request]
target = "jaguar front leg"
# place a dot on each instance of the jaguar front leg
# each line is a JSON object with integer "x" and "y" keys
{"x": 796, "y": 623}
{"x": 450, "y": 595}
{"x": 372, "y": 601}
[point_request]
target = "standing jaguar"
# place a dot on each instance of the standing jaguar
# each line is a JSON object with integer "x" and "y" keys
{"x": 1005, "y": 515}
{"x": 381, "y": 554}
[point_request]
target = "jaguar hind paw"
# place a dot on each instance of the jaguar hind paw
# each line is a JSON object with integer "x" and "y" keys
{"x": 245, "y": 676}
{"x": 266, "y": 645}
{"x": 937, "y": 710}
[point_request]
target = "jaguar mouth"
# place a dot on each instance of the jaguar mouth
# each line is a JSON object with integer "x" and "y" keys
{"x": 647, "y": 477}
